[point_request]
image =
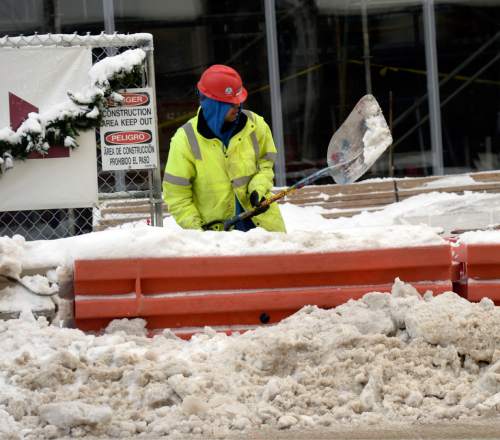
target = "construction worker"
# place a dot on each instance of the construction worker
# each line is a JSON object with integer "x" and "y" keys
{"x": 220, "y": 162}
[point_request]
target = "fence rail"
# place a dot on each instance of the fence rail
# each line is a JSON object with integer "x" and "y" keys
{"x": 68, "y": 40}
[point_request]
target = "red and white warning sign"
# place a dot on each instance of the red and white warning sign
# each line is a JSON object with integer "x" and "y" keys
{"x": 128, "y": 132}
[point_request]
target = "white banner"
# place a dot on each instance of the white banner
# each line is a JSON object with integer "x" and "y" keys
{"x": 35, "y": 80}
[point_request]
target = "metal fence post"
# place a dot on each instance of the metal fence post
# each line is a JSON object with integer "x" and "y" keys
{"x": 366, "y": 46}
{"x": 433, "y": 86}
{"x": 156, "y": 193}
{"x": 108, "y": 10}
{"x": 274, "y": 81}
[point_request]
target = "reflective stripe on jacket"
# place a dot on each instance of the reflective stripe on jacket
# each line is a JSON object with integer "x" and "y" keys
{"x": 201, "y": 177}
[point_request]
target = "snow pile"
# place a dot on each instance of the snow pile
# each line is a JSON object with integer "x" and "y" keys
{"x": 448, "y": 211}
{"x": 17, "y": 299}
{"x": 146, "y": 241}
{"x": 444, "y": 212}
{"x": 376, "y": 139}
{"x": 480, "y": 237}
{"x": 458, "y": 180}
{"x": 18, "y": 255}
{"x": 109, "y": 67}
{"x": 7, "y": 135}
{"x": 386, "y": 357}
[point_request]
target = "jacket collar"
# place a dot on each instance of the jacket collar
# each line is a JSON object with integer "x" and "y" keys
{"x": 203, "y": 128}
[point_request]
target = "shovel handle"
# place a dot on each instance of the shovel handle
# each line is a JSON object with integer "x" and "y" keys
{"x": 229, "y": 223}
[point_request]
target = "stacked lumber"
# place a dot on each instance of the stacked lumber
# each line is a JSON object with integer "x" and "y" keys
{"x": 340, "y": 200}
{"x": 346, "y": 200}
{"x": 117, "y": 212}
{"x": 352, "y": 199}
{"x": 479, "y": 182}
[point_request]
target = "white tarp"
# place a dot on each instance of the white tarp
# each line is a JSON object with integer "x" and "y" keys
{"x": 42, "y": 77}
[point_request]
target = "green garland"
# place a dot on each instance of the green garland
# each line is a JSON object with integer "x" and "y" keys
{"x": 65, "y": 129}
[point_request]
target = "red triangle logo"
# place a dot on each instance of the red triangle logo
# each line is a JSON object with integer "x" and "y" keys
{"x": 19, "y": 110}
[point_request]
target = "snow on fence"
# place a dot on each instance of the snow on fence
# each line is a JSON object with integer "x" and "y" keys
{"x": 138, "y": 184}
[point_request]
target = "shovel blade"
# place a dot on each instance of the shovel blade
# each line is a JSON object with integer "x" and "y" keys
{"x": 359, "y": 141}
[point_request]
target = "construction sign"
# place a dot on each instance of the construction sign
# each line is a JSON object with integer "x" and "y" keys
{"x": 128, "y": 132}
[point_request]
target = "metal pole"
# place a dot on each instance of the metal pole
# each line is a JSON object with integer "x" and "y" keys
{"x": 433, "y": 86}
{"x": 156, "y": 184}
{"x": 450, "y": 97}
{"x": 108, "y": 10}
{"x": 448, "y": 77}
{"x": 274, "y": 82}
{"x": 391, "y": 148}
{"x": 366, "y": 47}
{"x": 57, "y": 17}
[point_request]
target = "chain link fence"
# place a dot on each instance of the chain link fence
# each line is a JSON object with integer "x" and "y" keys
{"x": 138, "y": 190}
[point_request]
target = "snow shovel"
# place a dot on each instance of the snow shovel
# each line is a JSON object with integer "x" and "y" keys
{"x": 352, "y": 150}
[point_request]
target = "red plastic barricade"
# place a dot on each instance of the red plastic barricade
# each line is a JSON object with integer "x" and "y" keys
{"x": 236, "y": 291}
{"x": 480, "y": 271}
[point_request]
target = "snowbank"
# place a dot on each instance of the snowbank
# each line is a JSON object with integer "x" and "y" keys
{"x": 147, "y": 241}
{"x": 54, "y": 259}
{"x": 480, "y": 237}
{"x": 387, "y": 357}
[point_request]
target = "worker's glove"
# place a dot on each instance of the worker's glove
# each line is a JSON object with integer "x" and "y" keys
{"x": 255, "y": 201}
{"x": 215, "y": 225}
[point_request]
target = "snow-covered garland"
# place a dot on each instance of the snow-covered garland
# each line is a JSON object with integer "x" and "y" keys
{"x": 60, "y": 124}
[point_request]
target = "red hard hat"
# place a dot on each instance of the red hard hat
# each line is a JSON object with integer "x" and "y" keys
{"x": 222, "y": 83}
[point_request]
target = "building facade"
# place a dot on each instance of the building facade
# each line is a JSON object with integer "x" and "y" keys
{"x": 432, "y": 65}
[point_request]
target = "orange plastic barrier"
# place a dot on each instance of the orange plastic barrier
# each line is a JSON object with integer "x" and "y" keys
{"x": 227, "y": 291}
{"x": 480, "y": 271}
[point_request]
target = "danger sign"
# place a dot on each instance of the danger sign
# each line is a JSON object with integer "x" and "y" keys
{"x": 128, "y": 137}
{"x": 128, "y": 132}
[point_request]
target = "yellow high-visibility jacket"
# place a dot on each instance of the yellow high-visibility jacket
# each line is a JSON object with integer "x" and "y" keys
{"x": 202, "y": 177}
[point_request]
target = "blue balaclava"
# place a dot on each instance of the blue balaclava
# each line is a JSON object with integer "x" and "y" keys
{"x": 214, "y": 113}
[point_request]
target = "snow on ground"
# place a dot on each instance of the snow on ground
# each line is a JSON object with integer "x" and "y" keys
{"x": 387, "y": 357}
{"x": 447, "y": 211}
{"x": 146, "y": 241}
{"x": 397, "y": 225}
{"x": 458, "y": 180}
{"x": 414, "y": 221}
